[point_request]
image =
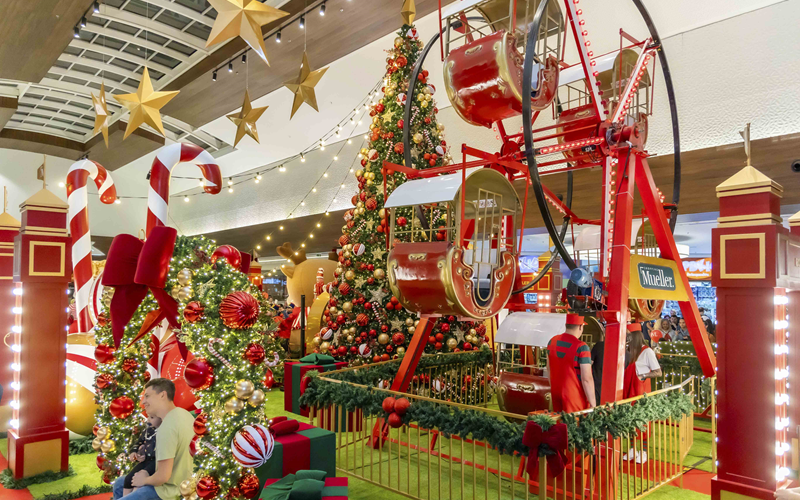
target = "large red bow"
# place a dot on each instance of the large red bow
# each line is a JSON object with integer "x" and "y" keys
{"x": 134, "y": 266}
{"x": 551, "y": 444}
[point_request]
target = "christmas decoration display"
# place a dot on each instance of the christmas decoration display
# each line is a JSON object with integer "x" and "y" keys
{"x": 307, "y": 447}
{"x": 549, "y": 441}
{"x": 303, "y": 86}
{"x": 101, "y": 114}
{"x": 78, "y": 216}
{"x": 395, "y": 408}
{"x": 245, "y": 120}
{"x": 242, "y": 18}
{"x": 252, "y": 446}
{"x": 239, "y": 310}
{"x": 293, "y": 485}
{"x": 161, "y": 171}
{"x": 294, "y": 374}
{"x": 144, "y": 105}
{"x": 360, "y": 279}
{"x": 199, "y": 374}
{"x": 229, "y": 253}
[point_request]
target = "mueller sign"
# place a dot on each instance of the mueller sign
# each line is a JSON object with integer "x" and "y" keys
{"x": 656, "y": 277}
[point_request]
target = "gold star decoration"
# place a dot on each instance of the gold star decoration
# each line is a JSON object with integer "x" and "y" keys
{"x": 388, "y": 117}
{"x": 303, "y": 86}
{"x": 409, "y": 12}
{"x": 242, "y": 18}
{"x": 144, "y": 105}
{"x": 101, "y": 113}
{"x": 377, "y": 253}
{"x": 245, "y": 120}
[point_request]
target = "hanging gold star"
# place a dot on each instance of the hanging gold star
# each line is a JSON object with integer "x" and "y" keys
{"x": 245, "y": 120}
{"x": 303, "y": 86}
{"x": 144, "y": 105}
{"x": 101, "y": 113}
{"x": 242, "y": 18}
{"x": 409, "y": 12}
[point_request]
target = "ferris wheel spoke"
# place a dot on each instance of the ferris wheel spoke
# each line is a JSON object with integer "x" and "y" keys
{"x": 633, "y": 83}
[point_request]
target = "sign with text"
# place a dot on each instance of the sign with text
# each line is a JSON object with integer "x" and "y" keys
{"x": 653, "y": 278}
{"x": 697, "y": 269}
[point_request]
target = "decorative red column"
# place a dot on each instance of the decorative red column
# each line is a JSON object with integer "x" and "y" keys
{"x": 9, "y": 228}
{"x": 756, "y": 265}
{"x": 37, "y": 438}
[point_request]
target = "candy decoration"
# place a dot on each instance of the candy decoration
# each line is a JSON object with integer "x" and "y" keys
{"x": 161, "y": 171}
{"x": 344, "y": 239}
{"x": 269, "y": 379}
{"x": 362, "y": 319}
{"x": 255, "y": 354}
{"x": 217, "y": 354}
{"x": 275, "y": 361}
{"x": 231, "y": 255}
{"x": 199, "y": 374}
{"x": 121, "y": 407}
{"x": 207, "y": 488}
{"x": 78, "y": 216}
{"x": 358, "y": 249}
{"x": 252, "y": 446}
{"x": 326, "y": 333}
{"x": 239, "y": 310}
{"x": 193, "y": 312}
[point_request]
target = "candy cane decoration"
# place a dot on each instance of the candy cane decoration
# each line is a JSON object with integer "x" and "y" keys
{"x": 217, "y": 354}
{"x": 78, "y": 199}
{"x": 161, "y": 171}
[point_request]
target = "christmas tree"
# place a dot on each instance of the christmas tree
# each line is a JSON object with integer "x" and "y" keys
{"x": 363, "y": 321}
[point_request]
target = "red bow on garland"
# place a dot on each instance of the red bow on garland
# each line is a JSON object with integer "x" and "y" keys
{"x": 134, "y": 266}
{"x": 551, "y": 444}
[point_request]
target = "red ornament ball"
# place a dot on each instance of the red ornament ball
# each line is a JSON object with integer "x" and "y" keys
{"x": 379, "y": 108}
{"x": 480, "y": 329}
{"x": 342, "y": 350}
{"x": 398, "y": 338}
{"x": 401, "y": 406}
{"x": 385, "y": 357}
{"x": 121, "y": 407}
{"x": 207, "y": 487}
{"x": 467, "y": 346}
{"x": 269, "y": 379}
{"x": 438, "y": 346}
{"x": 431, "y": 339}
{"x": 248, "y": 486}
{"x": 193, "y": 311}
{"x": 344, "y": 239}
{"x": 362, "y": 319}
{"x": 388, "y": 404}
{"x": 104, "y": 353}
{"x": 371, "y": 204}
{"x": 106, "y": 479}
{"x": 395, "y": 421}
{"x": 100, "y": 461}
{"x": 255, "y": 354}
{"x": 129, "y": 365}
{"x": 445, "y": 327}
{"x": 439, "y": 337}
{"x": 401, "y": 221}
{"x": 344, "y": 288}
{"x": 401, "y": 61}
{"x": 193, "y": 449}
{"x": 230, "y": 253}
{"x": 400, "y": 124}
{"x": 201, "y": 424}
{"x": 398, "y": 148}
{"x": 105, "y": 381}
{"x": 239, "y": 310}
{"x": 199, "y": 374}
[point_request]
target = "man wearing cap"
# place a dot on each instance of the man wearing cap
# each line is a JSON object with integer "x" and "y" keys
{"x": 570, "y": 366}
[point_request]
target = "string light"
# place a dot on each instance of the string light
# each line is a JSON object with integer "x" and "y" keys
{"x": 186, "y": 199}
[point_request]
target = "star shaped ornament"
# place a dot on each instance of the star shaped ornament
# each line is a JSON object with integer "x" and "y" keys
{"x": 303, "y": 86}
{"x": 245, "y": 120}
{"x": 242, "y": 18}
{"x": 144, "y": 105}
{"x": 101, "y": 115}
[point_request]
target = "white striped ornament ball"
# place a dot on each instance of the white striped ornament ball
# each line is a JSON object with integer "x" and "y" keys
{"x": 252, "y": 446}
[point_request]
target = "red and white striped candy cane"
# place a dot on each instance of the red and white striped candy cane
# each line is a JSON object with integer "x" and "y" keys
{"x": 78, "y": 198}
{"x": 161, "y": 171}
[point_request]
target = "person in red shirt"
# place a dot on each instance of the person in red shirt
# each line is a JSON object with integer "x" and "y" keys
{"x": 641, "y": 366}
{"x": 570, "y": 366}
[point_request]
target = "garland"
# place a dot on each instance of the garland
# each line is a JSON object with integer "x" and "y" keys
{"x": 675, "y": 355}
{"x": 9, "y": 483}
{"x": 81, "y": 446}
{"x": 84, "y": 491}
{"x": 584, "y": 431}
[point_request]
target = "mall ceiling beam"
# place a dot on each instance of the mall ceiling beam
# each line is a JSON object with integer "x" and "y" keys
{"x": 119, "y": 153}
{"x": 8, "y": 106}
{"x": 40, "y": 143}
{"x": 34, "y": 33}
{"x": 330, "y": 38}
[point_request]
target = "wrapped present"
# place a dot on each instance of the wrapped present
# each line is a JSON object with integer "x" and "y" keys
{"x": 305, "y": 485}
{"x": 308, "y": 447}
{"x": 295, "y": 371}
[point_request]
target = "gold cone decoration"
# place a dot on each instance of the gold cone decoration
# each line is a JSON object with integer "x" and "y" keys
{"x": 242, "y": 18}
{"x": 409, "y": 12}
{"x": 144, "y": 105}
{"x": 303, "y": 86}
{"x": 245, "y": 120}
{"x": 101, "y": 115}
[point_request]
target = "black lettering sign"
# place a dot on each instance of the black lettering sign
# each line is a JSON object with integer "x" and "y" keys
{"x": 656, "y": 277}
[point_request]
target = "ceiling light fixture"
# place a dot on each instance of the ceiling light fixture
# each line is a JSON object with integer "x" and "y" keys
{"x": 76, "y": 32}
{"x": 186, "y": 199}
{"x": 96, "y": 8}
{"x": 244, "y": 58}
{"x": 230, "y": 66}
{"x": 278, "y": 37}
{"x": 322, "y": 9}
{"x": 83, "y": 21}
{"x": 214, "y": 76}
{"x": 302, "y": 22}
{"x": 118, "y": 201}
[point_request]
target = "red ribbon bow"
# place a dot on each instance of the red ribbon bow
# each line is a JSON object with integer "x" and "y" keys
{"x": 281, "y": 426}
{"x": 134, "y": 266}
{"x": 551, "y": 444}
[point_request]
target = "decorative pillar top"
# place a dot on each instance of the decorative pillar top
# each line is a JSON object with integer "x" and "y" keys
{"x": 794, "y": 224}
{"x": 749, "y": 198}
{"x": 44, "y": 214}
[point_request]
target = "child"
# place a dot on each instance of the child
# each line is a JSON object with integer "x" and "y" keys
{"x": 144, "y": 451}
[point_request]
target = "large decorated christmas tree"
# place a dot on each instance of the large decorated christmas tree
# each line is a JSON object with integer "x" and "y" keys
{"x": 363, "y": 321}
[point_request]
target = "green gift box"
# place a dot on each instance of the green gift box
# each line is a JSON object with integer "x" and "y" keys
{"x": 294, "y": 371}
{"x": 305, "y": 485}
{"x": 308, "y": 448}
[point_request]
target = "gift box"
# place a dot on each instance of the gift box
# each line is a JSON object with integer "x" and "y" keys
{"x": 294, "y": 371}
{"x": 305, "y": 485}
{"x": 308, "y": 448}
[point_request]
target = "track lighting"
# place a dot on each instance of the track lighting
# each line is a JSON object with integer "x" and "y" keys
{"x": 83, "y": 22}
{"x": 96, "y": 8}
{"x": 214, "y": 76}
{"x": 302, "y": 22}
{"x": 278, "y": 37}
{"x": 76, "y": 32}
{"x": 244, "y": 58}
{"x": 322, "y": 9}
{"x": 230, "y": 66}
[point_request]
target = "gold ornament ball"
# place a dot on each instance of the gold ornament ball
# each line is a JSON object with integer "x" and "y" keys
{"x": 348, "y": 247}
{"x": 472, "y": 331}
{"x": 174, "y": 292}
{"x": 359, "y": 204}
{"x": 382, "y": 213}
{"x": 257, "y": 398}
{"x": 398, "y": 41}
{"x": 185, "y": 276}
{"x": 409, "y": 321}
{"x": 400, "y": 351}
{"x": 359, "y": 173}
{"x": 234, "y": 406}
{"x": 103, "y": 433}
{"x": 193, "y": 496}
{"x": 369, "y": 183}
{"x": 418, "y": 138}
{"x": 468, "y": 338}
{"x": 317, "y": 341}
{"x": 424, "y": 104}
{"x": 416, "y": 322}
{"x": 364, "y": 151}
{"x": 421, "y": 96}
{"x": 187, "y": 487}
{"x": 389, "y": 92}
{"x": 441, "y": 126}
{"x": 346, "y": 254}
{"x": 383, "y": 338}
{"x": 323, "y": 347}
{"x": 452, "y": 343}
{"x": 333, "y": 310}
{"x": 96, "y": 444}
{"x": 339, "y": 271}
{"x": 350, "y": 275}
{"x": 379, "y": 274}
{"x": 350, "y": 339}
{"x": 244, "y": 389}
{"x": 108, "y": 446}
{"x": 376, "y": 119}
{"x": 344, "y": 229}
{"x": 411, "y": 329}
{"x": 185, "y": 294}
{"x": 372, "y": 176}
{"x": 348, "y": 306}
{"x": 372, "y": 126}
{"x": 352, "y": 330}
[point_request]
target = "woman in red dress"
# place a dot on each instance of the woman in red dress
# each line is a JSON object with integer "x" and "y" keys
{"x": 641, "y": 366}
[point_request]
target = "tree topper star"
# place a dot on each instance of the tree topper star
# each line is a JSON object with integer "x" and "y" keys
{"x": 243, "y": 18}
{"x": 303, "y": 86}
{"x": 144, "y": 105}
{"x": 101, "y": 115}
{"x": 245, "y": 120}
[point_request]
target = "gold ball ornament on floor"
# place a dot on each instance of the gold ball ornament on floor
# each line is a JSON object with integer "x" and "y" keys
{"x": 108, "y": 446}
{"x": 185, "y": 276}
{"x": 452, "y": 343}
{"x": 186, "y": 487}
{"x": 383, "y": 338}
{"x": 244, "y": 389}
{"x": 97, "y": 443}
{"x": 234, "y": 406}
{"x": 257, "y": 398}
{"x": 185, "y": 294}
